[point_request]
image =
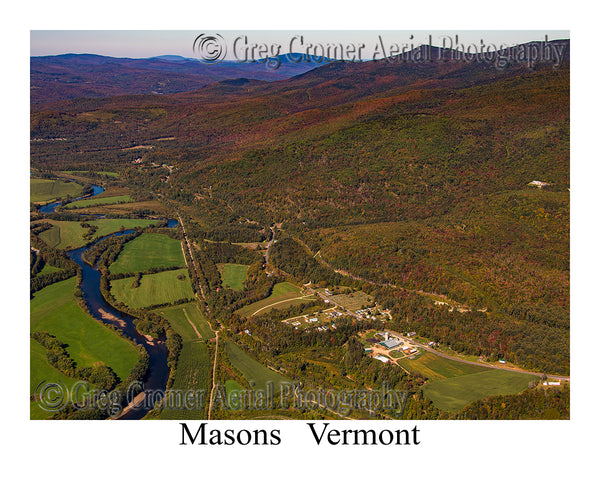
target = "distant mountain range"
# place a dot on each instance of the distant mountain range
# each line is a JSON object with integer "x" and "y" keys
{"x": 62, "y": 77}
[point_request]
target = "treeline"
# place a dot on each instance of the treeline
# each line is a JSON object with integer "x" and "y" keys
{"x": 226, "y": 252}
{"x": 532, "y": 404}
{"x": 118, "y": 396}
{"x": 289, "y": 256}
{"x": 535, "y": 346}
{"x": 58, "y": 357}
{"x": 56, "y": 258}
{"x": 219, "y": 226}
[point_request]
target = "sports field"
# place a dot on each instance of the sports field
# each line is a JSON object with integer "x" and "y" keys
{"x": 284, "y": 295}
{"x": 256, "y": 374}
{"x": 91, "y": 202}
{"x": 44, "y": 191}
{"x": 452, "y": 394}
{"x": 233, "y": 275}
{"x": 69, "y": 235}
{"x": 154, "y": 289}
{"x": 149, "y": 250}
{"x": 54, "y": 310}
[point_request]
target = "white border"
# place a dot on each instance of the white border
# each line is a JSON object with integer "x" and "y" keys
{"x": 449, "y": 449}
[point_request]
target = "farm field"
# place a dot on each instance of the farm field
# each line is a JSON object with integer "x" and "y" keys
{"x": 125, "y": 208}
{"x": 91, "y": 202}
{"x": 452, "y": 394}
{"x": 49, "y": 269}
{"x": 41, "y": 371}
{"x": 149, "y": 250}
{"x": 154, "y": 289}
{"x": 194, "y": 369}
{"x": 54, "y": 310}
{"x": 233, "y": 275}
{"x": 230, "y": 387}
{"x": 256, "y": 374}
{"x": 284, "y": 294}
{"x": 44, "y": 191}
{"x": 435, "y": 367}
{"x": 81, "y": 172}
{"x": 353, "y": 301}
{"x": 69, "y": 235}
{"x": 178, "y": 318}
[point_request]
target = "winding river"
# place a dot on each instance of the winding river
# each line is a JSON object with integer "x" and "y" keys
{"x": 51, "y": 207}
{"x": 158, "y": 372}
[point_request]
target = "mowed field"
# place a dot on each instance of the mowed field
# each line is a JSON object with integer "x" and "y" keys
{"x": 233, "y": 275}
{"x": 435, "y": 367}
{"x": 54, "y": 310}
{"x": 91, "y": 202}
{"x": 180, "y": 316}
{"x": 69, "y": 235}
{"x": 284, "y": 295}
{"x": 44, "y": 191}
{"x": 452, "y": 394}
{"x": 149, "y": 250}
{"x": 194, "y": 367}
{"x": 255, "y": 373}
{"x": 154, "y": 289}
{"x": 40, "y": 371}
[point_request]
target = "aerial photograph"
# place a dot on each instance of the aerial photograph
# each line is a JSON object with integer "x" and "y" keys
{"x": 288, "y": 225}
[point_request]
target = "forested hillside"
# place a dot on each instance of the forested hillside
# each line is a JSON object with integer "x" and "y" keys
{"x": 403, "y": 174}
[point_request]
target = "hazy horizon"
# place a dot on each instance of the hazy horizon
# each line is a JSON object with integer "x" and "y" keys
{"x": 148, "y": 44}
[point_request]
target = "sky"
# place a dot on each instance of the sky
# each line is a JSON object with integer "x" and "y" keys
{"x": 150, "y": 43}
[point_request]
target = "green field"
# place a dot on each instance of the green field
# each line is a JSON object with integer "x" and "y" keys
{"x": 452, "y": 394}
{"x": 179, "y": 318}
{"x": 80, "y": 172}
{"x": 45, "y": 191}
{"x": 194, "y": 370}
{"x": 150, "y": 250}
{"x": 194, "y": 367}
{"x": 41, "y": 371}
{"x": 284, "y": 294}
{"x": 69, "y": 235}
{"x": 93, "y": 202}
{"x": 154, "y": 289}
{"x": 230, "y": 387}
{"x": 233, "y": 275}
{"x": 435, "y": 367}
{"x": 53, "y": 310}
{"x": 49, "y": 269}
{"x": 256, "y": 374}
